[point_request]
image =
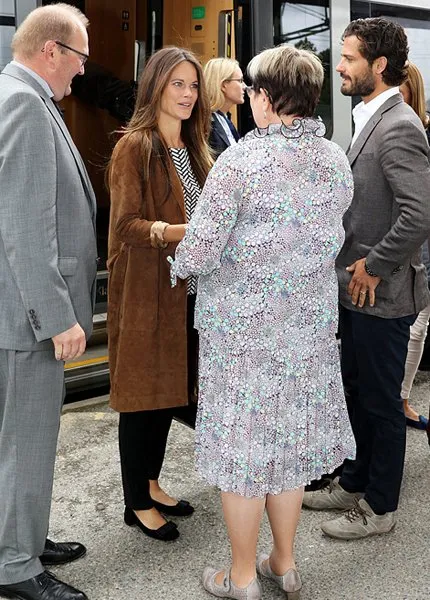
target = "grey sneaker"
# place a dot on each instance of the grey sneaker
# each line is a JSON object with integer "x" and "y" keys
{"x": 359, "y": 522}
{"x": 290, "y": 581}
{"x": 331, "y": 497}
{"x": 227, "y": 589}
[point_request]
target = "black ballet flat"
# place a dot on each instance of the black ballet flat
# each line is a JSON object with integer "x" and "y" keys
{"x": 166, "y": 533}
{"x": 181, "y": 509}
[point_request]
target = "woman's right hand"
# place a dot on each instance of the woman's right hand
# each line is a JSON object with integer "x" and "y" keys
{"x": 174, "y": 233}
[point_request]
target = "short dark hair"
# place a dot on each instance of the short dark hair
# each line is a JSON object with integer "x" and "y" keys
{"x": 291, "y": 77}
{"x": 381, "y": 37}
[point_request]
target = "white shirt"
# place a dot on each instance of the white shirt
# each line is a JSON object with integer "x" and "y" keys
{"x": 363, "y": 112}
{"x": 35, "y": 76}
{"x": 226, "y": 128}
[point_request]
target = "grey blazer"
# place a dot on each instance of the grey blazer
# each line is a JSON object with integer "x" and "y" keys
{"x": 389, "y": 217}
{"x": 47, "y": 220}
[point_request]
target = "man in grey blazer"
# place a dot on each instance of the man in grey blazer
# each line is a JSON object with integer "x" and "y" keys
{"x": 382, "y": 283}
{"x": 47, "y": 282}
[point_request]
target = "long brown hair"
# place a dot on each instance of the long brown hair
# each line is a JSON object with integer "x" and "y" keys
{"x": 415, "y": 84}
{"x": 194, "y": 131}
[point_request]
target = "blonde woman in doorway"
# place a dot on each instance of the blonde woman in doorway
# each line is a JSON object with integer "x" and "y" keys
{"x": 224, "y": 82}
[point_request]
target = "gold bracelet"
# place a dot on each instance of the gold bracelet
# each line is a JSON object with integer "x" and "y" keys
{"x": 157, "y": 234}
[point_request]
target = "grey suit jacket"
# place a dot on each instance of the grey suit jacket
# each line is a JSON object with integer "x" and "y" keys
{"x": 389, "y": 217}
{"x": 47, "y": 220}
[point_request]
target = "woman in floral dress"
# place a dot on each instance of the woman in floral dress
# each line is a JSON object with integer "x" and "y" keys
{"x": 263, "y": 241}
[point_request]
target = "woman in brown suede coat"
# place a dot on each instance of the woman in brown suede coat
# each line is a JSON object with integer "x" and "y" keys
{"x": 155, "y": 176}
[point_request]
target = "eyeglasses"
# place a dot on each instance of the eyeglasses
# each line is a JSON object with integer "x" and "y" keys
{"x": 83, "y": 57}
{"x": 240, "y": 80}
{"x": 249, "y": 89}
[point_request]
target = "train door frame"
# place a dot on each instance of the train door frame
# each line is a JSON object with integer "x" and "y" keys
{"x": 23, "y": 7}
{"x": 261, "y": 12}
{"x": 340, "y": 13}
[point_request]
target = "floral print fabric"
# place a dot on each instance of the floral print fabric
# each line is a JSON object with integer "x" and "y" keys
{"x": 263, "y": 240}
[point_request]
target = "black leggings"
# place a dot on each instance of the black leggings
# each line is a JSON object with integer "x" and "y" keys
{"x": 143, "y": 434}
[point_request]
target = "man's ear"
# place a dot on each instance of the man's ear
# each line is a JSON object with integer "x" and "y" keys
{"x": 48, "y": 49}
{"x": 380, "y": 64}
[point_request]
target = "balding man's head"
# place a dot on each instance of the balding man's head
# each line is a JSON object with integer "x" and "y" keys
{"x": 51, "y": 22}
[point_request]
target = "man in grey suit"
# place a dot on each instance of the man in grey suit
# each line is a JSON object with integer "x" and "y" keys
{"x": 47, "y": 281}
{"x": 382, "y": 283}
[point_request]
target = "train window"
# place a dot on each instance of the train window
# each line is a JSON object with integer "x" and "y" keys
{"x": 7, "y": 29}
{"x": 416, "y": 22}
{"x": 306, "y": 24}
{"x": 6, "y": 34}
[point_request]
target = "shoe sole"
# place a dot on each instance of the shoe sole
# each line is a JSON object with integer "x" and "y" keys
{"x": 10, "y": 595}
{"x": 171, "y": 514}
{"x": 48, "y": 563}
{"x": 173, "y": 511}
{"x": 215, "y": 590}
{"x": 338, "y": 508}
{"x": 362, "y": 537}
{"x": 173, "y": 539}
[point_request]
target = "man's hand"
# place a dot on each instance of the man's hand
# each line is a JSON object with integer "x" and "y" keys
{"x": 361, "y": 283}
{"x": 70, "y": 344}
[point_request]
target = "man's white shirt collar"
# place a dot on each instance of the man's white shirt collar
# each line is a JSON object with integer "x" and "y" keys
{"x": 35, "y": 76}
{"x": 362, "y": 113}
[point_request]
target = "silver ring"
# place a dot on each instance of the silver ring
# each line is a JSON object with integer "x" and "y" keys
{"x": 364, "y": 293}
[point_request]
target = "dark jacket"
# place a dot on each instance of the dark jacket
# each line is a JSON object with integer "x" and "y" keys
{"x": 389, "y": 217}
{"x": 218, "y": 140}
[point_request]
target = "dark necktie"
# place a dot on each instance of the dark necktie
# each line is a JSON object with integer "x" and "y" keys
{"x": 58, "y": 107}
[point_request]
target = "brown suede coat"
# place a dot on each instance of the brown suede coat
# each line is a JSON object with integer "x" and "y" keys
{"x": 146, "y": 317}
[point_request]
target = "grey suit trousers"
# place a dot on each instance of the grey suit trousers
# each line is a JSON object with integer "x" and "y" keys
{"x": 31, "y": 397}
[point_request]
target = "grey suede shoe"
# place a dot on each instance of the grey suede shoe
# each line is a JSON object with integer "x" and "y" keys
{"x": 332, "y": 497}
{"x": 358, "y": 523}
{"x": 227, "y": 589}
{"x": 290, "y": 581}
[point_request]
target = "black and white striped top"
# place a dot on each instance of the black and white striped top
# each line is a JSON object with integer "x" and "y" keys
{"x": 191, "y": 189}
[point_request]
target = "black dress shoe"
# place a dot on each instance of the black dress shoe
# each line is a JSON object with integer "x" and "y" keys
{"x": 166, "y": 533}
{"x": 42, "y": 587}
{"x": 420, "y": 424}
{"x": 59, "y": 553}
{"x": 180, "y": 509}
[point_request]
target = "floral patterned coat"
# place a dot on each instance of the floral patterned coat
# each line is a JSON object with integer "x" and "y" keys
{"x": 263, "y": 240}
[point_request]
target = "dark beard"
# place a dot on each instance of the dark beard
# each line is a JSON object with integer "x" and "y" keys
{"x": 363, "y": 87}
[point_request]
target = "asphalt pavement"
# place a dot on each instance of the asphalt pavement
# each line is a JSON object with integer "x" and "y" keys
{"x": 123, "y": 564}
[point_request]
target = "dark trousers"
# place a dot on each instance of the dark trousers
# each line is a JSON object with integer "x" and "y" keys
{"x": 143, "y": 434}
{"x": 373, "y": 354}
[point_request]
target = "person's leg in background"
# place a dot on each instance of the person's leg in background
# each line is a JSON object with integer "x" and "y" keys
{"x": 142, "y": 444}
{"x": 415, "y": 352}
{"x": 357, "y": 471}
{"x": 381, "y": 348}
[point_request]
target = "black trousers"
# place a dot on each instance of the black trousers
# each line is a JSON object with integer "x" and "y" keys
{"x": 143, "y": 434}
{"x": 373, "y": 354}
